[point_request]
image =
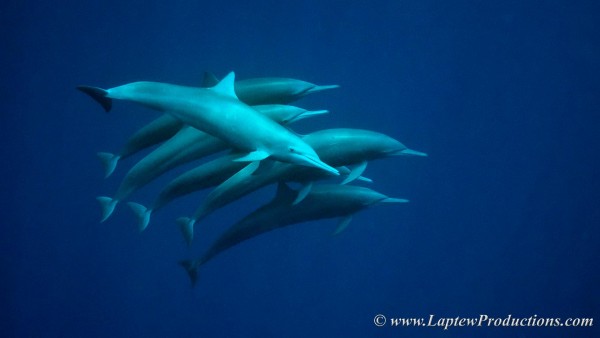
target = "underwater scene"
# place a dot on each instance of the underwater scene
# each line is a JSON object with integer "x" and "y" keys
{"x": 300, "y": 169}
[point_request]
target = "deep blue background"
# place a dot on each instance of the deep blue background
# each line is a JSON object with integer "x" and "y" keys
{"x": 504, "y": 214}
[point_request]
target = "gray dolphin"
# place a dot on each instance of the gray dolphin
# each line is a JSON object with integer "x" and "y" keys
{"x": 268, "y": 90}
{"x": 323, "y": 201}
{"x": 339, "y": 147}
{"x": 187, "y": 145}
{"x": 218, "y": 112}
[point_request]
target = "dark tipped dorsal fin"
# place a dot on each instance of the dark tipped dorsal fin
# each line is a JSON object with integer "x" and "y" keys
{"x": 209, "y": 80}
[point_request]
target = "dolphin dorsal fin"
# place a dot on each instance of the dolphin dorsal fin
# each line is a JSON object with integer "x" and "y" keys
{"x": 226, "y": 86}
{"x": 209, "y": 80}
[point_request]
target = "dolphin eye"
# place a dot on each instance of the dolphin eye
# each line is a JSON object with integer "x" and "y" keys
{"x": 292, "y": 150}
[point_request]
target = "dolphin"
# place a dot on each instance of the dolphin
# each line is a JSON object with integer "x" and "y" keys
{"x": 323, "y": 201}
{"x": 339, "y": 147}
{"x": 203, "y": 176}
{"x": 259, "y": 91}
{"x": 155, "y": 132}
{"x": 270, "y": 90}
{"x": 218, "y": 111}
{"x": 187, "y": 145}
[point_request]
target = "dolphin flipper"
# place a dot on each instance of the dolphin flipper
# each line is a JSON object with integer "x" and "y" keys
{"x": 256, "y": 155}
{"x": 303, "y": 192}
{"x": 356, "y": 172}
{"x": 98, "y": 94}
{"x": 142, "y": 214}
{"x": 109, "y": 161}
{"x": 343, "y": 224}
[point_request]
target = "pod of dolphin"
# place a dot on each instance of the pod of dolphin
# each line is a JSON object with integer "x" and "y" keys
{"x": 248, "y": 121}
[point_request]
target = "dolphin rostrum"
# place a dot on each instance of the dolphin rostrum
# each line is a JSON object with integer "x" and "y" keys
{"x": 323, "y": 201}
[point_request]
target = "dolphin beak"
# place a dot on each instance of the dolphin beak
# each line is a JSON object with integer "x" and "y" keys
{"x": 316, "y": 162}
{"x": 306, "y": 114}
{"x": 410, "y": 152}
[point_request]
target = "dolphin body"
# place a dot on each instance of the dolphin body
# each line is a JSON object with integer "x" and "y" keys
{"x": 257, "y": 91}
{"x": 218, "y": 111}
{"x": 202, "y": 177}
{"x": 155, "y": 132}
{"x": 339, "y": 147}
{"x": 187, "y": 145}
{"x": 323, "y": 201}
{"x": 269, "y": 90}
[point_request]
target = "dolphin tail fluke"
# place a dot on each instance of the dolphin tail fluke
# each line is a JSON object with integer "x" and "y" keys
{"x": 191, "y": 267}
{"x": 108, "y": 206}
{"x": 98, "y": 94}
{"x": 109, "y": 161}
{"x": 142, "y": 214}
{"x": 317, "y": 89}
{"x": 186, "y": 225}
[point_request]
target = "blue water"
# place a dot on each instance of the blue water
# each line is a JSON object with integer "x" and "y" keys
{"x": 504, "y": 96}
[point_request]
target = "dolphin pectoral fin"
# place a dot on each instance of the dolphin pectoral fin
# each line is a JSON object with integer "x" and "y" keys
{"x": 109, "y": 161}
{"x": 364, "y": 179}
{"x": 355, "y": 173}
{"x": 142, "y": 214}
{"x": 303, "y": 193}
{"x": 108, "y": 206}
{"x": 191, "y": 267}
{"x": 257, "y": 155}
{"x": 98, "y": 94}
{"x": 394, "y": 200}
{"x": 343, "y": 224}
{"x": 209, "y": 80}
{"x": 226, "y": 86}
{"x": 186, "y": 225}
